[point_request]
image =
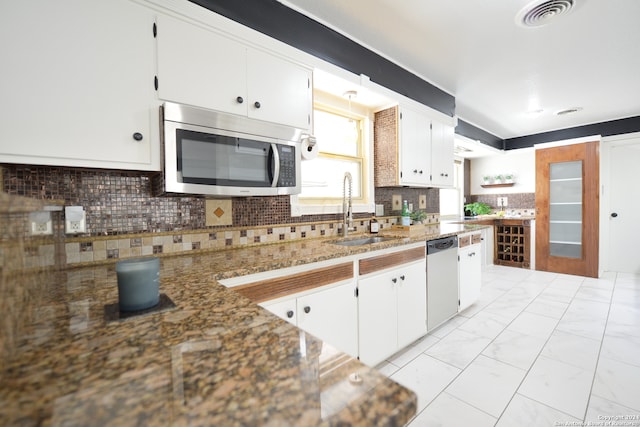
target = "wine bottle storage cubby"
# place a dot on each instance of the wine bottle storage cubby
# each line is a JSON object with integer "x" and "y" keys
{"x": 512, "y": 244}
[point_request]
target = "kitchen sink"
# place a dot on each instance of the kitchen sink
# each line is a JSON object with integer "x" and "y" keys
{"x": 361, "y": 241}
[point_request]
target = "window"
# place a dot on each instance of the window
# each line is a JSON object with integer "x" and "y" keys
{"x": 343, "y": 140}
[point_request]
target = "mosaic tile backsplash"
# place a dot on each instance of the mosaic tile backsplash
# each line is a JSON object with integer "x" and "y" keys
{"x": 124, "y": 219}
{"x": 122, "y": 202}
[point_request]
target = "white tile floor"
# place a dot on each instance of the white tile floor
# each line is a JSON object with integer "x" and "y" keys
{"x": 537, "y": 349}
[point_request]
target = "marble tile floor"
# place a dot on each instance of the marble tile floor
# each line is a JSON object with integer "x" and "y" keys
{"x": 537, "y": 349}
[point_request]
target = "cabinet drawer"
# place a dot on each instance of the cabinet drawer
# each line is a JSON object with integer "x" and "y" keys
{"x": 268, "y": 289}
{"x": 464, "y": 241}
{"x": 381, "y": 262}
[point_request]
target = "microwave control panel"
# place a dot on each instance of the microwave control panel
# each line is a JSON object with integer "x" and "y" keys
{"x": 287, "y": 176}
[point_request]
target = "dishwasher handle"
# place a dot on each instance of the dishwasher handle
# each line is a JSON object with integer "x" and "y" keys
{"x": 434, "y": 246}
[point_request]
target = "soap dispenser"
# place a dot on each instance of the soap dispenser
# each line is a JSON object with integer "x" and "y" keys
{"x": 374, "y": 225}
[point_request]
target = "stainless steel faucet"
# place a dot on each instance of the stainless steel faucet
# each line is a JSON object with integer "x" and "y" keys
{"x": 347, "y": 209}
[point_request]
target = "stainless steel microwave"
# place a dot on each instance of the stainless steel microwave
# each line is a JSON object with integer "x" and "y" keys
{"x": 212, "y": 153}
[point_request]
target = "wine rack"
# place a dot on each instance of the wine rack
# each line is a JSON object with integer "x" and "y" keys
{"x": 512, "y": 243}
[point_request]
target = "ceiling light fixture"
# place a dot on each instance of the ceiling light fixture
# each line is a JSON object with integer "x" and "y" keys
{"x": 541, "y": 13}
{"x": 350, "y": 94}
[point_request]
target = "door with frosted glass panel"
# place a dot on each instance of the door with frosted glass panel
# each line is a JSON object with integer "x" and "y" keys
{"x": 567, "y": 199}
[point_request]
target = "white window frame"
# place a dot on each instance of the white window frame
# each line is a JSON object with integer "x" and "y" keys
{"x": 300, "y": 206}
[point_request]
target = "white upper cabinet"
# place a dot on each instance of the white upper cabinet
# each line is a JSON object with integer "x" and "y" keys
{"x": 200, "y": 67}
{"x": 412, "y": 149}
{"x": 441, "y": 154}
{"x": 77, "y": 84}
{"x": 415, "y": 155}
{"x": 278, "y": 91}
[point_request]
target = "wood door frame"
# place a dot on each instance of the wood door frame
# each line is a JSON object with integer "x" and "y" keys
{"x": 587, "y": 265}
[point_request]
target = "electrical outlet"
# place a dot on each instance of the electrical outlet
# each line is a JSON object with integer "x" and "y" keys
{"x": 422, "y": 201}
{"x": 75, "y": 220}
{"x": 503, "y": 202}
{"x": 41, "y": 224}
{"x": 396, "y": 202}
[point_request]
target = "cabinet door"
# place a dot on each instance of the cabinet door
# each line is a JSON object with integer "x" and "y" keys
{"x": 441, "y": 154}
{"x": 487, "y": 246}
{"x": 377, "y": 317}
{"x": 469, "y": 275}
{"x": 199, "y": 67}
{"x": 285, "y": 309}
{"x": 412, "y": 303}
{"x": 415, "y": 160}
{"x": 77, "y": 83}
{"x": 332, "y": 315}
{"x": 279, "y": 91}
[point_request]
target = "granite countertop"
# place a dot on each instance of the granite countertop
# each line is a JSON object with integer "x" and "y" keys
{"x": 216, "y": 358}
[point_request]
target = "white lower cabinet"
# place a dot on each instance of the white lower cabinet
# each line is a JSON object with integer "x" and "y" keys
{"x": 330, "y": 314}
{"x": 392, "y": 310}
{"x": 368, "y": 306}
{"x": 487, "y": 247}
{"x": 469, "y": 269}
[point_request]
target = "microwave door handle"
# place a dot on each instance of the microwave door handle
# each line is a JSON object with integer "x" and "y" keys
{"x": 275, "y": 165}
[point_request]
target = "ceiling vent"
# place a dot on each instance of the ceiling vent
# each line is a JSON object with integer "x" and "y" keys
{"x": 568, "y": 111}
{"x": 539, "y": 13}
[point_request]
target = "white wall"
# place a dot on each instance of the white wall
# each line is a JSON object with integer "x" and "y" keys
{"x": 521, "y": 162}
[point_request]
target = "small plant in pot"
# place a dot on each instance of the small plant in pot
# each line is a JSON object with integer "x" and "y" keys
{"x": 486, "y": 180}
{"x": 499, "y": 179}
{"x": 478, "y": 208}
{"x": 508, "y": 178}
{"x": 418, "y": 217}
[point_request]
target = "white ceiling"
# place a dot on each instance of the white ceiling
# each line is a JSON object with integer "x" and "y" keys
{"x": 498, "y": 70}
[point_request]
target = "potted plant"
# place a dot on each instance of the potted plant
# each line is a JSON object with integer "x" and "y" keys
{"x": 508, "y": 178}
{"x": 486, "y": 179}
{"x": 418, "y": 217}
{"x": 499, "y": 179}
{"x": 478, "y": 208}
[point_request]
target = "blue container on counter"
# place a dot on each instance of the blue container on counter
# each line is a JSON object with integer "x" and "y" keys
{"x": 138, "y": 283}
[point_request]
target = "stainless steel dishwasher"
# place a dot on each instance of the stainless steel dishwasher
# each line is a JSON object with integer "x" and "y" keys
{"x": 442, "y": 280}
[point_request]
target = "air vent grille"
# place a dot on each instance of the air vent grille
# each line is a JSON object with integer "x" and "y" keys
{"x": 568, "y": 111}
{"x": 539, "y": 14}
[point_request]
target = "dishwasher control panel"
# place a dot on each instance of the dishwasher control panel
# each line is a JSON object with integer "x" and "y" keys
{"x": 438, "y": 245}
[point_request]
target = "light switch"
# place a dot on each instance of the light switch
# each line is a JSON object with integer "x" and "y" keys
{"x": 502, "y": 202}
